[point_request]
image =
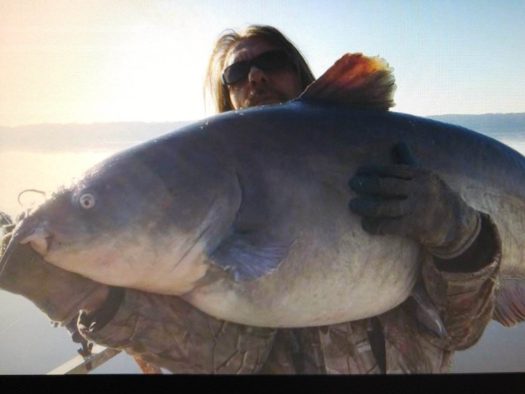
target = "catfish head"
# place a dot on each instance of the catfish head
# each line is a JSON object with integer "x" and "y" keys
{"x": 132, "y": 220}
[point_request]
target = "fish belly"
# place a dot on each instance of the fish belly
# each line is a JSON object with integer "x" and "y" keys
{"x": 366, "y": 277}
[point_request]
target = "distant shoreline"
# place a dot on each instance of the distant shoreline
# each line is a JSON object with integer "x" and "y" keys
{"x": 83, "y": 136}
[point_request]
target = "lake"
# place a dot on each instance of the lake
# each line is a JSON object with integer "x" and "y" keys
{"x": 29, "y": 344}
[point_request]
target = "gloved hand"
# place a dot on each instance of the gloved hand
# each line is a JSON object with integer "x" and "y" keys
{"x": 405, "y": 200}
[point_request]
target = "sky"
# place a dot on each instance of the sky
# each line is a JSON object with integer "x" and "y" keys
{"x": 85, "y": 61}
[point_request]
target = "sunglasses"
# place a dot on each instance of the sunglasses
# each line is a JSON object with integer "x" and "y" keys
{"x": 268, "y": 61}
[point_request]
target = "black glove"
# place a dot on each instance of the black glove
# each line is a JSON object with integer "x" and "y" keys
{"x": 405, "y": 200}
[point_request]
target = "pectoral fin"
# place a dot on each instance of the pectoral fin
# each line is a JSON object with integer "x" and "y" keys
{"x": 510, "y": 302}
{"x": 247, "y": 258}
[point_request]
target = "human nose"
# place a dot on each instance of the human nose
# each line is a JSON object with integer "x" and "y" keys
{"x": 256, "y": 75}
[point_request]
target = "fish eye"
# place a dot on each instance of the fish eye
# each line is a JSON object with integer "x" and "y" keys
{"x": 87, "y": 200}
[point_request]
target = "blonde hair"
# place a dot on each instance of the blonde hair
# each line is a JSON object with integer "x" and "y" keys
{"x": 214, "y": 87}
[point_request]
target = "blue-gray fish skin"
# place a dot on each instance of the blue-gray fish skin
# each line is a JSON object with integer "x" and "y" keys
{"x": 246, "y": 216}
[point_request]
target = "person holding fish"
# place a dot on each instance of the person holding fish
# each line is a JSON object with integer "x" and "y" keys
{"x": 460, "y": 250}
{"x": 260, "y": 66}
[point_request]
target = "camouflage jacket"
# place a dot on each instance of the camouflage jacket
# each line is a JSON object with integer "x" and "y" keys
{"x": 170, "y": 333}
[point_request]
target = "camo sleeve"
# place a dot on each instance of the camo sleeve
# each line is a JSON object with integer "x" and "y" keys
{"x": 170, "y": 333}
{"x": 463, "y": 290}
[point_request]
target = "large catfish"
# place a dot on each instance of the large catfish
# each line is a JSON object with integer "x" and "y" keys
{"x": 245, "y": 214}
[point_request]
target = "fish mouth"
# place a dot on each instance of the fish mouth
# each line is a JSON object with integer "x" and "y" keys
{"x": 40, "y": 240}
{"x": 29, "y": 232}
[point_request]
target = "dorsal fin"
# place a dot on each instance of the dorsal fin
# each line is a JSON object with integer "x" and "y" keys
{"x": 355, "y": 80}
